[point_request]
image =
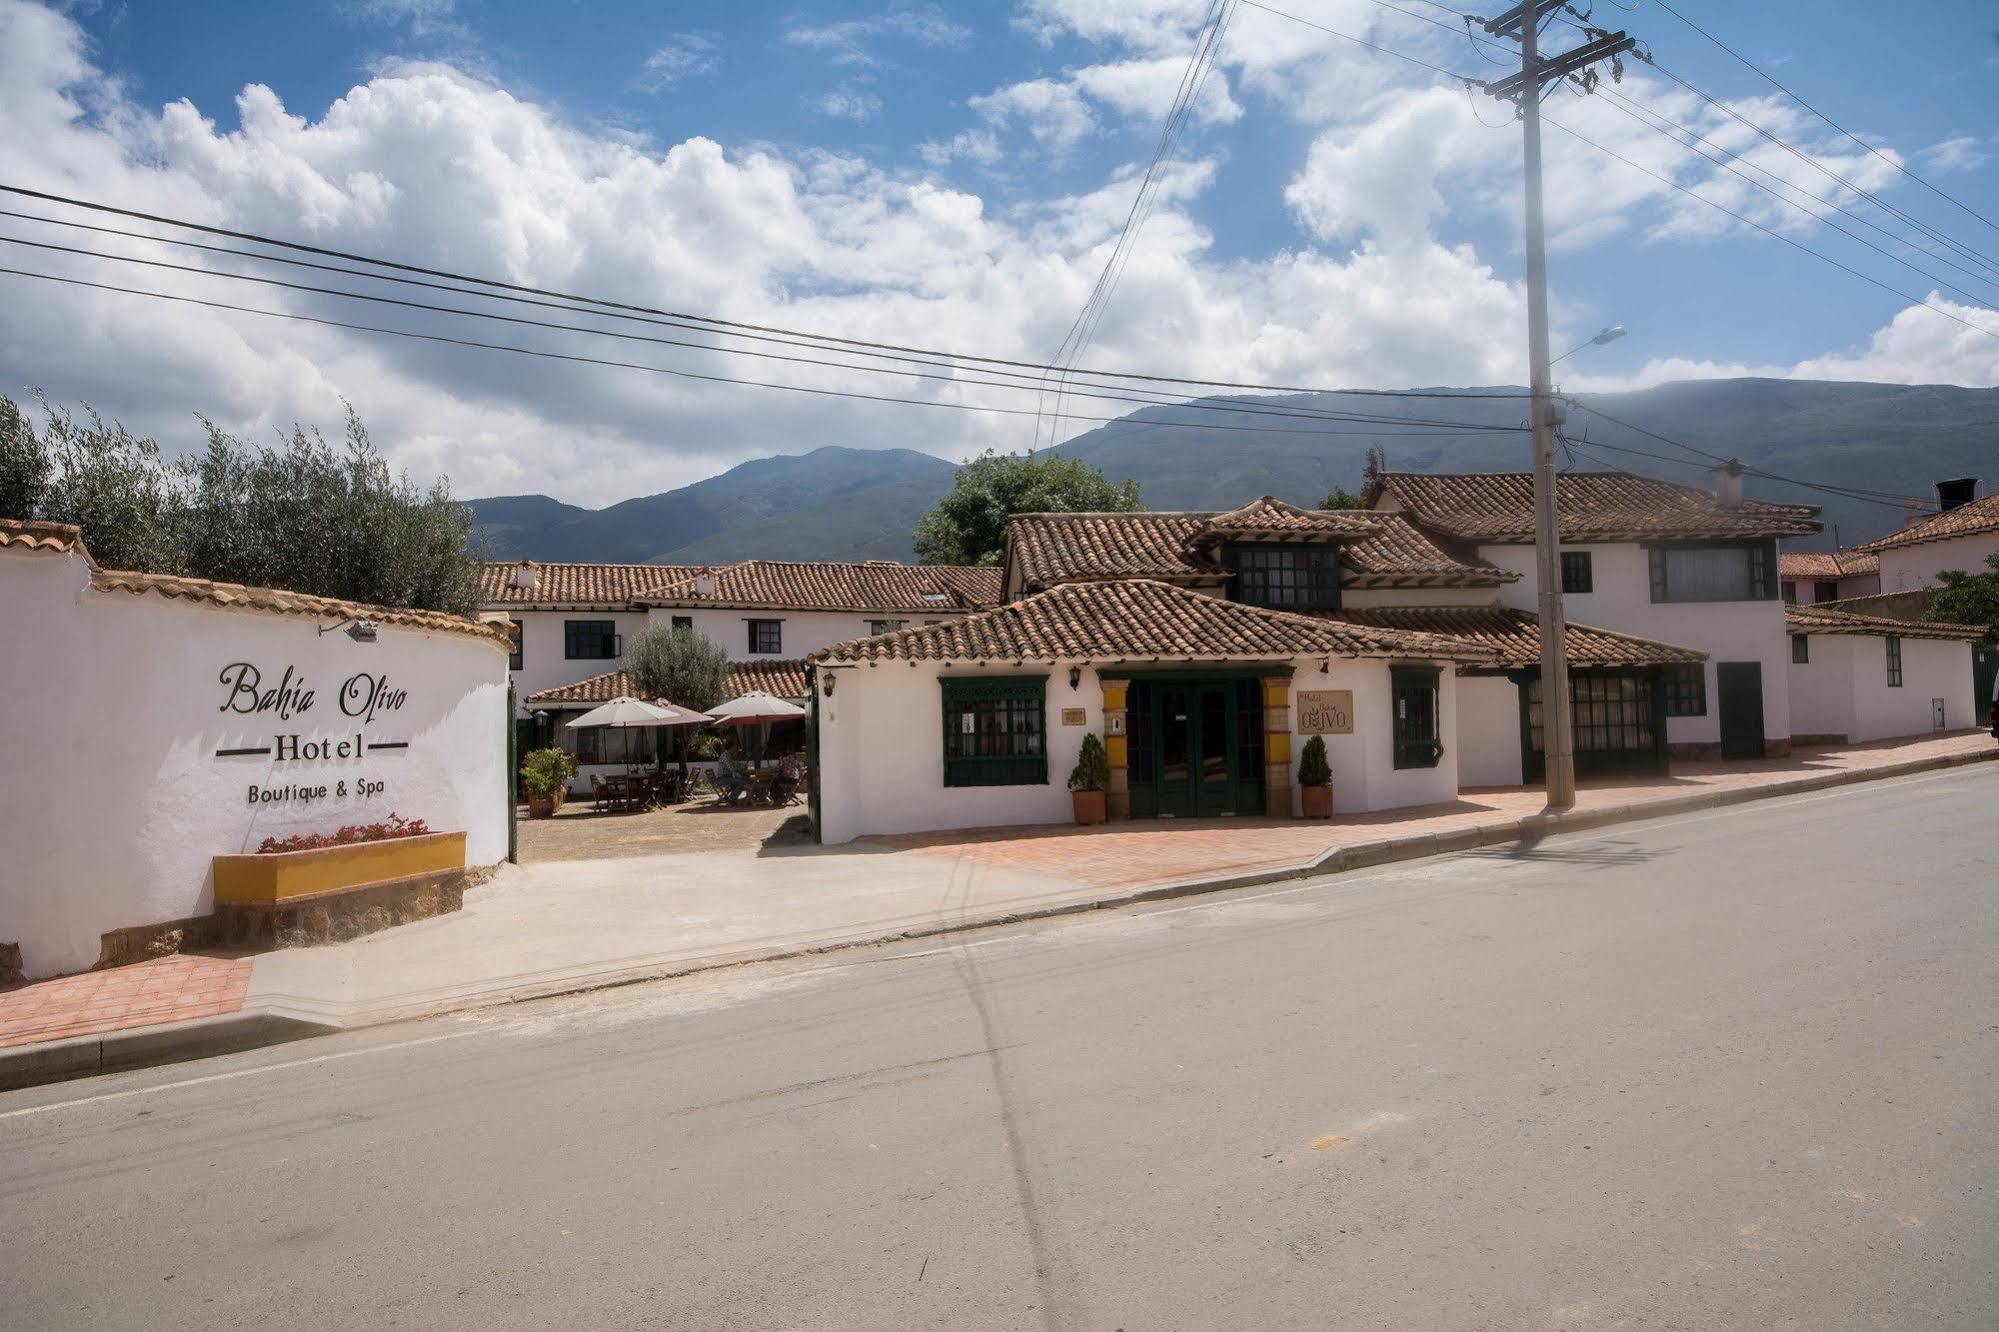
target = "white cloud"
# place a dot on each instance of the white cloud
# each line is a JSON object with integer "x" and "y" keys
{"x": 686, "y": 55}
{"x": 1050, "y": 110}
{"x": 848, "y": 104}
{"x": 851, "y": 41}
{"x": 423, "y": 18}
{"x": 1962, "y": 153}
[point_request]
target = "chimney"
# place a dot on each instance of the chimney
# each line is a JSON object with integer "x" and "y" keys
{"x": 1958, "y": 491}
{"x": 1728, "y": 484}
{"x": 526, "y": 574}
{"x": 704, "y": 585}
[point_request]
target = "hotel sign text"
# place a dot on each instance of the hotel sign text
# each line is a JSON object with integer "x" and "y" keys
{"x": 1325, "y": 711}
{"x": 362, "y": 697}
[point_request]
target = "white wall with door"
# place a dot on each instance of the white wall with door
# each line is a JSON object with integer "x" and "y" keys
{"x": 1876, "y": 687}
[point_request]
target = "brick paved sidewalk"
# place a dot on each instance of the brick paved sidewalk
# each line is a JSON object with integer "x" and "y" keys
{"x": 1148, "y": 852}
{"x": 167, "y": 989}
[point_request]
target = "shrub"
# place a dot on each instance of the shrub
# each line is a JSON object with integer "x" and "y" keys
{"x": 546, "y": 771}
{"x": 390, "y": 828}
{"x": 1313, "y": 770}
{"x": 1093, "y": 766}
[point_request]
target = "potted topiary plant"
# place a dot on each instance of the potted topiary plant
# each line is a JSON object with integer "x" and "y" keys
{"x": 1315, "y": 779}
{"x": 1089, "y": 780}
{"x": 545, "y": 776}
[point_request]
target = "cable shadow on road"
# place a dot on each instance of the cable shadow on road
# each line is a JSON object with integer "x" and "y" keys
{"x": 1045, "y": 1249}
{"x": 1596, "y": 855}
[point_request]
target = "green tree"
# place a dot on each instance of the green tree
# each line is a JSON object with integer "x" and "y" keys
{"x": 1969, "y": 598}
{"x": 968, "y": 526}
{"x": 24, "y": 465}
{"x": 300, "y": 514}
{"x": 1341, "y": 498}
{"x": 681, "y": 667}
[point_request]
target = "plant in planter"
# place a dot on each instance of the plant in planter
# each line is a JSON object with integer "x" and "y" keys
{"x": 1089, "y": 780}
{"x": 545, "y": 776}
{"x": 1315, "y": 779}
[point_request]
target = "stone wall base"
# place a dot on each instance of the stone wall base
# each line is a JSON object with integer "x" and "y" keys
{"x": 10, "y": 964}
{"x": 1698, "y": 751}
{"x": 1779, "y": 747}
{"x": 325, "y": 918}
{"x": 1828, "y": 739}
{"x": 347, "y": 913}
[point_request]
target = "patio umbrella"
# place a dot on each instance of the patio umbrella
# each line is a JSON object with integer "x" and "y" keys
{"x": 758, "y": 709}
{"x": 626, "y": 713}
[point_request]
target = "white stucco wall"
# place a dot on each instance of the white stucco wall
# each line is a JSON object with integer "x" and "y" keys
{"x": 881, "y": 749}
{"x": 1904, "y": 568}
{"x": 1489, "y": 731}
{"x": 1621, "y": 599}
{"x": 1844, "y": 689}
{"x": 543, "y": 665}
{"x": 113, "y": 798}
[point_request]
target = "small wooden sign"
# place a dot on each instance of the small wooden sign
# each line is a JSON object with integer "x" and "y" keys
{"x": 1075, "y": 717}
{"x": 1325, "y": 711}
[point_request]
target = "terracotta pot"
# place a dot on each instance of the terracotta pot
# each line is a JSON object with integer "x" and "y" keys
{"x": 1089, "y": 806}
{"x": 543, "y": 807}
{"x": 1318, "y": 801}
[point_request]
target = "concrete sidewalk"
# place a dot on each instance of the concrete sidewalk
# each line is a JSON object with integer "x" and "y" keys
{"x": 560, "y": 927}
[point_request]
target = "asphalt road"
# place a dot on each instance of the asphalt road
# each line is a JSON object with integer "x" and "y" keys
{"x": 1734, "y": 1070}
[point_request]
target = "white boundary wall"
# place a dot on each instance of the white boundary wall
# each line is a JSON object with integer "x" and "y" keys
{"x": 113, "y": 798}
{"x": 881, "y": 748}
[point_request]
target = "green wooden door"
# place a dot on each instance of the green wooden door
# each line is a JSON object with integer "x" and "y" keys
{"x": 1740, "y": 685}
{"x": 1173, "y": 746}
{"x": 1197, "y": 747}
{"x": 1215, "y": 746}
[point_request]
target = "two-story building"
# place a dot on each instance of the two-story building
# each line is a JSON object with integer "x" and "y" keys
{"x": 1207, "y": 647}
{"x": 570, "y": 624}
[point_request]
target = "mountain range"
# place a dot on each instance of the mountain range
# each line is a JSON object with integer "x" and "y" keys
{"x": 843, "y": 503}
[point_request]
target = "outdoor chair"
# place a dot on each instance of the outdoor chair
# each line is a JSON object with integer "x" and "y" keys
{"x": 600, "y": 795}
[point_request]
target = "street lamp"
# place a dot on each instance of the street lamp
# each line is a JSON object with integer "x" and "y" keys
{"x": 1611, "y": 334}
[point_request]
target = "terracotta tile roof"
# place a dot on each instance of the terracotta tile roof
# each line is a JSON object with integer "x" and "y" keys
{"x": 1823, "y": 619}
{"x": 875, "y": 585}
{"x": 1052, "y": 548}
{"x": 1979, "y": 516}
{"x": 1403, "y": 555}
{"x": 781, "y": 679}
{"x": 574, "y": 584}
{"x": 236, "y": 595}
{"x": 32, "y": 534}
{"x": 1801, "y": 565}
{"x": 1140, "y": 620}
{"x": 1592, "y": 506}
{"x": 1515, "y": 635}
{"x": 1271, "y": 519}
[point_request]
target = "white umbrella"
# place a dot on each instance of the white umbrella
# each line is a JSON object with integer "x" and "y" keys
{"x": 758, "y": 709}
{"x": 625, "y": 713}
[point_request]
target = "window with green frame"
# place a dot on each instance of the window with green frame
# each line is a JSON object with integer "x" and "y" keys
{"x": 995, "y": 731}
{"x": 1685, "y": 689}
{"x": 1286, "y": 577}
{"x": 1419, "y": 737}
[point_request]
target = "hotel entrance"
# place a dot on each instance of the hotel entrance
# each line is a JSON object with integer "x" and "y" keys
{"x": 1196, "y": 746}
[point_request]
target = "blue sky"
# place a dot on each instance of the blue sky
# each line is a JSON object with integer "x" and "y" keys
{"x": 952, "y": 174}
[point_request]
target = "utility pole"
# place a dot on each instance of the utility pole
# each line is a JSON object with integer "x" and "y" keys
{"x": 1524, "y": 90}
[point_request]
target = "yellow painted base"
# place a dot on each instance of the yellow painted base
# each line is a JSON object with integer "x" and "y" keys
{"x": 285, "y": 875}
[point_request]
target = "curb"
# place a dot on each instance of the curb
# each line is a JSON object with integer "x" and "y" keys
{"x": 142, "y": 1047}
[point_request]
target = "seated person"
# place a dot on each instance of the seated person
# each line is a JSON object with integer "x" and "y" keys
{"x": 729, "y": 777}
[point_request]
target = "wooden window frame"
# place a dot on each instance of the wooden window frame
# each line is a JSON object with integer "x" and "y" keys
{"x": 1764, "y": 585}
{"x": 1413, "y": 750}
{"x": 1010, "y": 712}
{"x": 1892, "y": 646}
{"x": 1313, "y": 575}
{"x": 518, "y": 632}
{"x": 1578, "y": 573}
{"x": 1677, "y": 696}
{"x": 1801, "y": 650}
{"x": 756, "y": 630}
{"x": 582, "y": 633}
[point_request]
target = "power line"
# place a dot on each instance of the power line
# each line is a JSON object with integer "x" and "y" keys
{"x": 1922, "y": 227}
{"x": 1193, "y": 405}
{"x": 577, "y": 359}
{"x": 623, "y": 310}
{"x": 1765, "y": 75}
{"x": 1632, "y": 110}
{"x": 1362, "y": 41}
{"x": 1751, "y": 222}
